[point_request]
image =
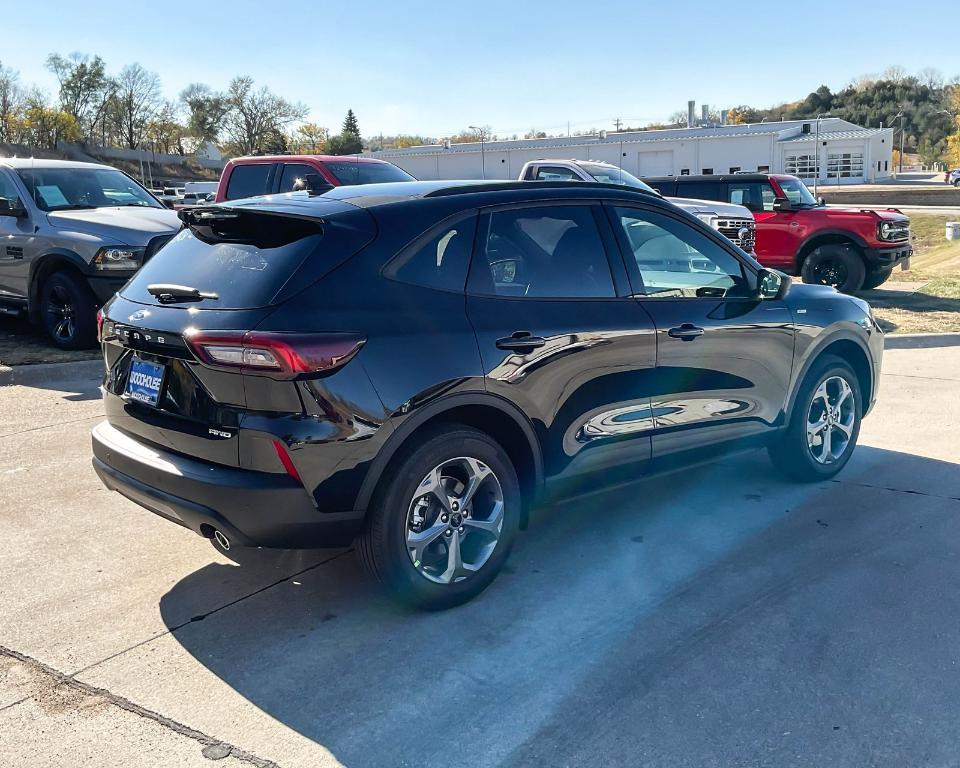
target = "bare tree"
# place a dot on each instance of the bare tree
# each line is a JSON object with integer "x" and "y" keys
{"x": 84, "y": 87}
{"x": 11, "y": 97}
{"x": 931, "y": 77}
{"x": 206, "y": 108}
{"x": 894, "y": 74}
{"x": 136, "y": 100}
{"x": 256, "y": 116}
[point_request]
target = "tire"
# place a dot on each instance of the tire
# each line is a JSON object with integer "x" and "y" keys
{"x": 401, "y": 509}
{"x": 838, "y": 265}
{"x": 68, "y": 311}
{"x": 792, "y": 453}
{"x": 875, "y": 278}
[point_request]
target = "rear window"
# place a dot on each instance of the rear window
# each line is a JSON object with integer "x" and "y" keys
{"x": 246, "y": 267}
{"x": 248, "y": 180}
{"x": 349, "y": 173}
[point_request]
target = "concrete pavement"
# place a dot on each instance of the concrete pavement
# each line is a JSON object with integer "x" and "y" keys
{"x": 719, "y": 616}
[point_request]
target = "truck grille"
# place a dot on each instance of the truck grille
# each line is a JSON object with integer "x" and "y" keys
{"x": 741, "y": 232}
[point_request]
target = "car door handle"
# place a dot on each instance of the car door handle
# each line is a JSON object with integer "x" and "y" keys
{"x": 686, "y": 332}
{"x": 520, "y": 341}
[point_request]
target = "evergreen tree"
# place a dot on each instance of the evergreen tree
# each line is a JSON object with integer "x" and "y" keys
{"x": 350, "y": 124}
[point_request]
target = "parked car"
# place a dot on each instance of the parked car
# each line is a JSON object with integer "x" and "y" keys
{"x": 70, "y": 235}
{"x": 191, "y": 199}
{"x": 267, "y": 174}
{"x": 953, "y": 177}
{"x": 735, "y": 222}
{"x": 848, "y": 248}
{"x": 169, "y": 196}
{"x": 201, "y": 188}
{"x": 414, "y": 365}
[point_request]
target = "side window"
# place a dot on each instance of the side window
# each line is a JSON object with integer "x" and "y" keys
{"x": 555, "y": 173}
{"x": 248, "y": 180}
{"x": 441, "y": 261}
{"x": 294, "y": 176}
{"x": 702, "y": 190}
{"x": 8, "y": 191}
{"x": 755, "y": 195}
{"x": 541, "y": 252}
{"x": 675, "y": 261}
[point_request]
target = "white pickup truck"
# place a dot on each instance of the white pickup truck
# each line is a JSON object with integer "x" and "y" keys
{"x": 735, "y": 222}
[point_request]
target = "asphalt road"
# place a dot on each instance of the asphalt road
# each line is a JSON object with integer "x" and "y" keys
{"x": 715, "y": 617}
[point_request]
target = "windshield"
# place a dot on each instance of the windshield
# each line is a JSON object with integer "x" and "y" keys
{"x": 349, "y": 173}
{"x": 64, "y": 189}
{"x": 610, "y": 175}
{"x": 796, "y": 191}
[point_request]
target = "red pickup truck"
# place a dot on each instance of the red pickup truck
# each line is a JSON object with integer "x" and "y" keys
{"x": 257, "y": 175}
{"x": 851, "y": 249}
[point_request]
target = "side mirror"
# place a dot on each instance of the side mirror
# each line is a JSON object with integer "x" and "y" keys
{"x": 317, "y": 184}
{"x": 782, "y": 204}
{"x": 16, "y": 211}
{"x": 772, "y": 284}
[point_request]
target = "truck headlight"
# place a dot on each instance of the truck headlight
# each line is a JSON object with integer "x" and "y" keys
{"x": 119, "y": 258}
{"x": 710, "y": 219}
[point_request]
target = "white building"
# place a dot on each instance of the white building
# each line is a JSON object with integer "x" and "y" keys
{"x": 848, "y": 153}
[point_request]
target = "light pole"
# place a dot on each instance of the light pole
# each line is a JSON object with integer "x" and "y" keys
{"x": 483, "y": 164}
{"x": 816, "y": 154}
{"x": 901, "y": 116}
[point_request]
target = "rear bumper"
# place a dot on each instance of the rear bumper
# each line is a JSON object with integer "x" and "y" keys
{"x": 251, "y": 508}
{"x": 888, "y": 256}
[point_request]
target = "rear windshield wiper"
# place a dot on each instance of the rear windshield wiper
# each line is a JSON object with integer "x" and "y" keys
{"x": 168, "y": 293}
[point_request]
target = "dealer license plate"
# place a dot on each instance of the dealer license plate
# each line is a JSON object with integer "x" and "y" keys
{"x": 145, "y": 381}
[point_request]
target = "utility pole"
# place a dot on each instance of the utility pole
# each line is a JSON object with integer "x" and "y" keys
{"x": 617, "y": 123}
{"x": 483, "y": 163}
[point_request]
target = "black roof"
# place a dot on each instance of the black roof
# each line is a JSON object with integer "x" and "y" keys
{"x": 370, "y": 196}
{"x": 712, "y": 177}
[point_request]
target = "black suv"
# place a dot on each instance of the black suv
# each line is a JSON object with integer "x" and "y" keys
{"x": 415, "y": 365}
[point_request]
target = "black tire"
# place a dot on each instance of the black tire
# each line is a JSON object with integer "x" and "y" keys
{"x": 382, "y": 545}
{"x": 875, "y": 278}
{"x": 791, "y": 453}
{"x": 68, "y": 311}
{"x": 838, "y": 265}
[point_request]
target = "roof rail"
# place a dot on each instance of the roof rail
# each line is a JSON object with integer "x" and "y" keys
{"x": 465, "y": 189}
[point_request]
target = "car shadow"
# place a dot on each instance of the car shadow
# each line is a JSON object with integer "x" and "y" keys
{"x": 605, "y": 599}
{"x": 79, "y": 381}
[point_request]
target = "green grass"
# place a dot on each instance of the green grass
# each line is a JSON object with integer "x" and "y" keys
{"x": 934, "y": 255}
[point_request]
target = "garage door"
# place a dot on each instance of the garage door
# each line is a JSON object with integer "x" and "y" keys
{"x": 658, "y": 163}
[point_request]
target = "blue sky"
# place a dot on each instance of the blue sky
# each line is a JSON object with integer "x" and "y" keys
{"x": 434, "y": 68}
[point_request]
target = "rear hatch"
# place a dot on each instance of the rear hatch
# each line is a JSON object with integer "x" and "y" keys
{"x": 217, "y": 280}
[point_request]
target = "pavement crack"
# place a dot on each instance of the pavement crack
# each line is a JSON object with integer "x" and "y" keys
{"x": 202, "y": 616}
{"x": 925, "y": 378}
{"x": 49, "y": 426}
{"x": 909, "y": 491}
{"x": 125, "y": 704}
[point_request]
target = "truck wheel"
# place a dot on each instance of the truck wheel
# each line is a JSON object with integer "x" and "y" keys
{"x": 824, "y": 425}
{"x": 68, "y": 311}
{"x": 875, "y": 278}
{"x": 838, "y": 265}
{"x": 443, "y": 521}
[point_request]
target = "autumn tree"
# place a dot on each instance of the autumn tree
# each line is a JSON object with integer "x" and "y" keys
{"x": 256, "y": 117}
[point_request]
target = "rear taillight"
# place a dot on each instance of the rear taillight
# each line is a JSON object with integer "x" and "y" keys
{"x": 280, "y": 355}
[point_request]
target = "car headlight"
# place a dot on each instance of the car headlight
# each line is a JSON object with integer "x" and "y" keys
{"x": 119, "y": 258}
{"x": 710, "y": 219}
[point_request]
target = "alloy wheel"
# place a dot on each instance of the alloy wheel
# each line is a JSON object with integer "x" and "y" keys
{"x": 830, "y": 420}
{"x": 60, "y": 308}
{"x": 831, "y": 272}
{"x": 454, "y": 520}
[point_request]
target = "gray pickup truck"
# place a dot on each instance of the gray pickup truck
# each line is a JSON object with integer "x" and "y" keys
{"x": 71, "y": 234}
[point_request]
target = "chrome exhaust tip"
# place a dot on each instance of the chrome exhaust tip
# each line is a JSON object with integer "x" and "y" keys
{"x": 222, "y": 540}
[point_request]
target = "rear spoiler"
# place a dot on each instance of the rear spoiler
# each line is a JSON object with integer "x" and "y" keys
{"x": 259, "y": 227}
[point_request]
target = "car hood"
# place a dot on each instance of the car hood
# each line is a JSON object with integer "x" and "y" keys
{"x": 123, "y": 225}
{"x": 711, "y": 206}
{"x": 887, "y": 214}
